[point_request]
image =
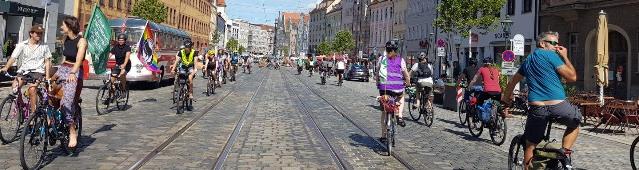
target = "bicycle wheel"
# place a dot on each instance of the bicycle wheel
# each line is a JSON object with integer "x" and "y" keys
{"x": 9, "y": 120}
{"x": 516, "y": 153}
{"x": 123, "y": 101}
{"x": 179, "y": 102}
{"x": 633, "y": 152}
{"x": 33, "y": 141}
{"x": 414, "y": 112}
{"x": 429, "y": 114}
{"x": 475, "y": 125}
{"x": 102, "y": 99}
{"x": 208, "y": 87}
{"x": 499, "y": 128}
{"x": 462, "y": 111}
{"x": 390, "y": 133}
{"x": 175, "y": 91}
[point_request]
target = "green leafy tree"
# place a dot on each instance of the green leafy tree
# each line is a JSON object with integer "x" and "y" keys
{"x": 152, "y": 10}
{"x": 324, "y": 48}
{"x": 214, "y": 38}
{"x": 285, "y": 51}
{"x": 343, "y": 41}
{"x": 241, "y": 49}
{"x": 460, "y": 16}
{"x": 232, "y": 45}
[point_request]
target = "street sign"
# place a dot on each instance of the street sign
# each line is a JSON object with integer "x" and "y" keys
{"x": 518, "y": 45}
{"x": 508, "y": 56}
{"x": 509, "y": 71}
{"x": 507, "y": 64}
{"x": 441, "y": 52}
{"x": 441, "y": 43}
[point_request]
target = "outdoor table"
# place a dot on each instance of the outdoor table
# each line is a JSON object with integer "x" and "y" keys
{"x": 620, "y": 113}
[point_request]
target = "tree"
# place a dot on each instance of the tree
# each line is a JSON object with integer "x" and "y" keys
{"x": 232, "y": 45}
{"x": 343, "y": 41}
{"x": 152, "y": 10}
{"x": 460, "y": 16}
{"x": 241, "y": 49}
{"x": 324, "y": 48}
{"x": 285, "y": 51}
{"x": 215, "y": 38}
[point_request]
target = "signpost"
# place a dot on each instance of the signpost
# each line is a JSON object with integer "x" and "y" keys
{"x": 507, "y": 66}
{"x": 441, "y": 51}
{"x": 518, "y": 45}
{"x": 508, "y": 56}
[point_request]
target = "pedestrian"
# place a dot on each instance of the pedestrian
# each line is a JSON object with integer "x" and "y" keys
{"x": 456, "y": 70}
{"x": 470, "y": 71}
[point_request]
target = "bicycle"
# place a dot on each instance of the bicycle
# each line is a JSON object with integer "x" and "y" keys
{"x": 424, "y": 109}
{"x": 323, "y": 75}
{"x": 46, "y": 126}
{"x": 633, "y": 149}
{"x": 17, "y": 112}
{"x": 182, "y": 99}
{"x": 464, "y": 105}
{"x": 548, "y": 153}
{"x": 112, "y": 90}
{"x": 233, "y": 68}
{"x": 495, "y": 124}
{"x": 211, "y": 84}
{"x": 390, "y": 106}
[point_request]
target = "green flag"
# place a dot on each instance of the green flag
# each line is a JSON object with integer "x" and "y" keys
{"x": 98, "y": 36}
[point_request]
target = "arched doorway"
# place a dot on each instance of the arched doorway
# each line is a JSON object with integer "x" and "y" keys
{"x": 619, "y": 55}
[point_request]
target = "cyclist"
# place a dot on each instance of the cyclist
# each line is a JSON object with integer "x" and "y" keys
{"x": 340, "y": 67}
{"x": 122, "y": 51}
{"x": 75, "y": 47}
{"x": 245, "y": 63}
{"x": 309, "y": 64}
{"x": 490, "y": 76}
{"x": 329, "y": 65}
{"x": 422, "y": 73}
{"x": 544, "y": 70}
{"x": 187, "y": 59}
{"x": 210, "y": 65}
{"x": 391, "y": 77}
{"x": 300, "y": 64}
{"x": 235, "y": 59}
{"x": 226, "y": 62}
{"x": 34, "y": 60}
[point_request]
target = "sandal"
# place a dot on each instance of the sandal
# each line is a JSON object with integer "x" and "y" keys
{"x": 401, "y": 122}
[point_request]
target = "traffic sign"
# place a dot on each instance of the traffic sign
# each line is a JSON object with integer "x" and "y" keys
{"x": 441, "y": 43}
{"x": 518, "y": 45}
{"x": 441, "y": 52}
{"x": 507, "y": 64}
{"x": 509, "y": 71}
{"x": 508, "y": 56}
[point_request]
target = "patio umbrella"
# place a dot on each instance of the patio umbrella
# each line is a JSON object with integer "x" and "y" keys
{"x": 602, "y": 54}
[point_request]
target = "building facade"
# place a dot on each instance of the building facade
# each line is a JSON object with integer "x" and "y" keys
{"x": 333, "y": 20}
{"x": 576, "y": 22}
{"x": 381, "y": 25}
{"x": 243, "y": 29}
{"x": 317, "y": 25}
{"x": 398, "y": 13}
{"x": 420, "y": 31}
{"x": 287, "y": 26}
{"x": 302, "y": 35}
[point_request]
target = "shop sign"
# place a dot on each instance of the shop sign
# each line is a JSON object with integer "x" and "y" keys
{"x": 14, "y": 8}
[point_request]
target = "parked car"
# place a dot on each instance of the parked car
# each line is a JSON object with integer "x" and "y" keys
{"x": 356, "y": 71}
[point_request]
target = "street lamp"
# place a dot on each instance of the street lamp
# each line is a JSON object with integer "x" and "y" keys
{"x": 506, "y": 25}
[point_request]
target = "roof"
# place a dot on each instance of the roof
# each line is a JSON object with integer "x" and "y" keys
{"x": 140, "y": 23}
{"x": 220, "y": 3}
{"x": 266, "y": 27}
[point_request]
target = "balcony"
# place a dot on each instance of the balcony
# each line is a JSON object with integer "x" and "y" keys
{"x": 573, "y": 4}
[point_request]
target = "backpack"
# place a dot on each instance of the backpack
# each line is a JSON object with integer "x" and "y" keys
{"x": 424, "y": 71}
{"x": 234, "y": 59}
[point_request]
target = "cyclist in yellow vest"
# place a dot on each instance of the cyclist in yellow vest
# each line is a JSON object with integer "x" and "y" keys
{"x": 187, "y": 59}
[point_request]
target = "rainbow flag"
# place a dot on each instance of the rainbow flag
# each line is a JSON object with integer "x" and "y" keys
{"x": 145, "y": 49}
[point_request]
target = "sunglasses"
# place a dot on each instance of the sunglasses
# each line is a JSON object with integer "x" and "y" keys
{"x": 552, "y": 42}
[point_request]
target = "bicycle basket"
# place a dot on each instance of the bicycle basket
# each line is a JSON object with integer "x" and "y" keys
{"x": 389, "y": 104}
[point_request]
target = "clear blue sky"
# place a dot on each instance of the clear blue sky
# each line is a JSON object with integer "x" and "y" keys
{"x": 265, "y": 11}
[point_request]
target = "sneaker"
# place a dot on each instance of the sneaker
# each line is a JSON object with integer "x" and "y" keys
{"x": 383, "y": 139}
{"x": 401, "y": 122}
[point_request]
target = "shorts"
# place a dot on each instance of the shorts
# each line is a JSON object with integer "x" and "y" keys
{"x": 425, "y": 90}
{"x": 33, "y": 75}
{"x": 391, "y": 93}
{"x": 496, "y": 96}
{"x": 340, "y": 71}
{"x": 538, "y": 117}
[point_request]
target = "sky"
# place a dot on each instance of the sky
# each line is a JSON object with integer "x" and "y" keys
{"x": 265, "y": 11}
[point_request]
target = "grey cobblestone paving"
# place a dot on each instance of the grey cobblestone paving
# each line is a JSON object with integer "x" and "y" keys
{"x": 200, "y": 145}
{"x": 359, "y": 150}
{"x": 275, "y": 136}
{"x": 118, "y": 139}
{"x": 449, "y": 144}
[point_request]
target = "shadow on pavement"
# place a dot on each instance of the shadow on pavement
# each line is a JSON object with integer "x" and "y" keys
{"x": 452, "y": 123}
{"x": 83, "y": 142}
{"x": 366, "y": 141}
{"x": 377, "y": 107}
{"x": 466, "y": 136}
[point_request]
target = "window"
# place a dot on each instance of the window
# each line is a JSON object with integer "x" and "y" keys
{"x": 573, "y": 44}
{"x": 111, "y": 3}
{"x": 527, "y": 6}
{"x": 101, "y": 2}
{"x": 119, "y": 4}
{"x": 511, "y": 7}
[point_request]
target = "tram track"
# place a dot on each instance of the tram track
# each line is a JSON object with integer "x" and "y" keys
{"x": 149, "y": 156}
{"x": 339, "y": 110}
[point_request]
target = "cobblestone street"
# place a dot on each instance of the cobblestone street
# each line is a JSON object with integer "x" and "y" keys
{"x": 275, "y": 119}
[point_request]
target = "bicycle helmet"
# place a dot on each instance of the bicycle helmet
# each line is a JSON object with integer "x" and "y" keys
{"x": 188, "y": 44}
{"x": 122, "y": 36}
{"x": 211, "y": 52}
{"x": 422, "y": 56}
{"x": 391, "y": 46}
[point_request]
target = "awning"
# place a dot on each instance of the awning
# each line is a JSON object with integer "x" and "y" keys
{"x": 14, "y": 8}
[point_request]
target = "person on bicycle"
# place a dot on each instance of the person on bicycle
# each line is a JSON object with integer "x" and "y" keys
{"x": 187, "y": 59}
{"x": 490, "y": 76}
{"x": 235, "y": 60}
{"x": 340, "y": 63}
{"x": 391, "y": 78}
{"x": 421, "y": 72}
{"x": 210, "y": 65}
{"x": 309, "y": 64}
{"x": 34, "y": 60}
{"x": 544, "y": 70}
{"x": 75, "y": 47}
{"x": 226, "y": 61}
{"x": 122, "y": 52}
{"x": 245, "y": 63}
{"x": 301, "y": 62}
